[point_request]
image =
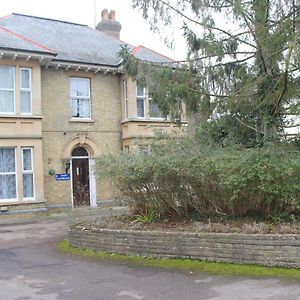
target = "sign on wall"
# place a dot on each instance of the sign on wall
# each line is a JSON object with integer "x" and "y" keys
{"x": 62, "y": 177}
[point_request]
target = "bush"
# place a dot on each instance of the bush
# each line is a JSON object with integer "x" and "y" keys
{"x": 181, "y": 178}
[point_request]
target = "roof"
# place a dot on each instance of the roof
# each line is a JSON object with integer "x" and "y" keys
{"x": 12, "y": 40}
{"x": 144, "y": 53}
{"x": 68, "y": 41}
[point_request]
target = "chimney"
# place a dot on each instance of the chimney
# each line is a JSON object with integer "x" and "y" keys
{"x": 108, "y": 23}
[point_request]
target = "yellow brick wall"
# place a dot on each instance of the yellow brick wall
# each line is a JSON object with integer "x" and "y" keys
{"x": 58, "y": 128}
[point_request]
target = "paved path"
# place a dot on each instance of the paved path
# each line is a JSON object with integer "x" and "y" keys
{"x": 32, "y": 268}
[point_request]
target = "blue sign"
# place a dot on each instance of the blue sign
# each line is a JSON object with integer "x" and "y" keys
{"x": 62, "y": 177}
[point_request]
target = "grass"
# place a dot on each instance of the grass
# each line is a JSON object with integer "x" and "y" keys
{"x": 187, "y": 265}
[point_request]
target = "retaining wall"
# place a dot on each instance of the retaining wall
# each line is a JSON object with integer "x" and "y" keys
{"x": 270, "y": 250}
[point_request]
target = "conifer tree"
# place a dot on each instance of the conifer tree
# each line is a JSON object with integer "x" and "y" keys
{"x": 242, "y": 62}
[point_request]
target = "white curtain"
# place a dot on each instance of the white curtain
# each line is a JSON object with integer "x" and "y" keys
{"x": 7, "y": 173}
{"x": 28, "y": 185}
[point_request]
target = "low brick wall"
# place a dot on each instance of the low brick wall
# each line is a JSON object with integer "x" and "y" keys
{"x": 270, "y": 250}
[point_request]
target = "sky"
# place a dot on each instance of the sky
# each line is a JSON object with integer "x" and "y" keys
{"x": 135, "y": 30}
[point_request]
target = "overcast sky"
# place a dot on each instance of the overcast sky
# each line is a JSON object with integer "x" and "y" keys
{"x": 135, "y": 30}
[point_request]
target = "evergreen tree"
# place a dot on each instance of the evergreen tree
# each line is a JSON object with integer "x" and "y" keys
{"x": 242, "y": 62}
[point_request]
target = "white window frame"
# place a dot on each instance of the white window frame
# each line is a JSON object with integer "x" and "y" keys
{"x": 140, "y": 97}
{"x": 125, "y": 89}
{"x": 13, "y": 90}
{"x": 26, "y": 90}
{"x": 11, "y": 173}
{"x": 28, "y": 171}
{"x": 81, "y": 98}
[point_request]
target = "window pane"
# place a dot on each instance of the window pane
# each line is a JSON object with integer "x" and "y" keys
{"x": 79, "y": 151}
{"x": 7, "y": 77}
{"x": 125, "y": 89}
{"x": 7, "y": 101}
{"x": 140, "y": 107}
{"x": 75, "y": 107}
{"x": 28, "y": 185}
{"x": 84, "y": 108}
{"x": 7, "y": 160}
{"x": 25, "y": 78}
{"x": 25, "y": 102}
{"x": 139, "y": 89}
{"x": 27, "y": 159}
{"x": 154, "y": 111}
{"x": 126, "y": 98}
{"x": 8, "y": 186}
{"x": 80, "y": 108}
{"x": 80, "y": 87}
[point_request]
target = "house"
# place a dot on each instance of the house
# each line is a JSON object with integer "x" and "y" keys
{"x": 64, "y": 100}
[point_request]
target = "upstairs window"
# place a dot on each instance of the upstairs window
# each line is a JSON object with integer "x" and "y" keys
{"x": 80, "y": 97}
{"x": 25, "y": 91}
{"x": 140, "y": 100}
{"x": 7, "y": 89}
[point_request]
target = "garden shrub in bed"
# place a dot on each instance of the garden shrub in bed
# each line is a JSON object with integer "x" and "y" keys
{"x": 181, "y": 177}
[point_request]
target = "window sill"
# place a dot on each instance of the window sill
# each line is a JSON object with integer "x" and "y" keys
{"x": 20, "y": 202}
{"x": 15, "y": 116}
{"x": 81, "y": 120}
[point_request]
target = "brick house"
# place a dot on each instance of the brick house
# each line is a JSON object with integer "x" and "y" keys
{"x": 64, "y": 100}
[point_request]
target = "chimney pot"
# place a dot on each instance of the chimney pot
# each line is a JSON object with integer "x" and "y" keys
{"x": 104, "y": 14}
{"x": 112, "y": 15}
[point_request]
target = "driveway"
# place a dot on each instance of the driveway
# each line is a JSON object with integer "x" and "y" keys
{"x": 32, "y": 268}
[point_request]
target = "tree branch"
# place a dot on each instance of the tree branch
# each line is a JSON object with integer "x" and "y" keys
{"x": 203, "y": 24}
{"x": 249, "y": 126}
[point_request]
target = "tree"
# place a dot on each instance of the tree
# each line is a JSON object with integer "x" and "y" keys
{"x": 242, "y": 62}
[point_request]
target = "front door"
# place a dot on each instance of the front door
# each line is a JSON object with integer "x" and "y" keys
{"x": 80, "y": 182}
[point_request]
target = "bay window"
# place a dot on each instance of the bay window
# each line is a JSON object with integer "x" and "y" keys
{"x": 16, "y": 170}
{"x": 80, "y": 97}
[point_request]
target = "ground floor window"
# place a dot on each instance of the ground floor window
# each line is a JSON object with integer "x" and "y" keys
{"x": 11, "y": 160}
{"x": 8, "y": 182}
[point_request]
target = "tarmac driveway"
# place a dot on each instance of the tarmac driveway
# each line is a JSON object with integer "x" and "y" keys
{"x": 32, "y": 268}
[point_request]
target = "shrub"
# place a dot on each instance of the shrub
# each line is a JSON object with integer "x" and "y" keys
{"x": 181, "y": 177}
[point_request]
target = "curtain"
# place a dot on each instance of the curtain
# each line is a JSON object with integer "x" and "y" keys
{"x": 7, "y": 173}
{"x": 28, "y": 185}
